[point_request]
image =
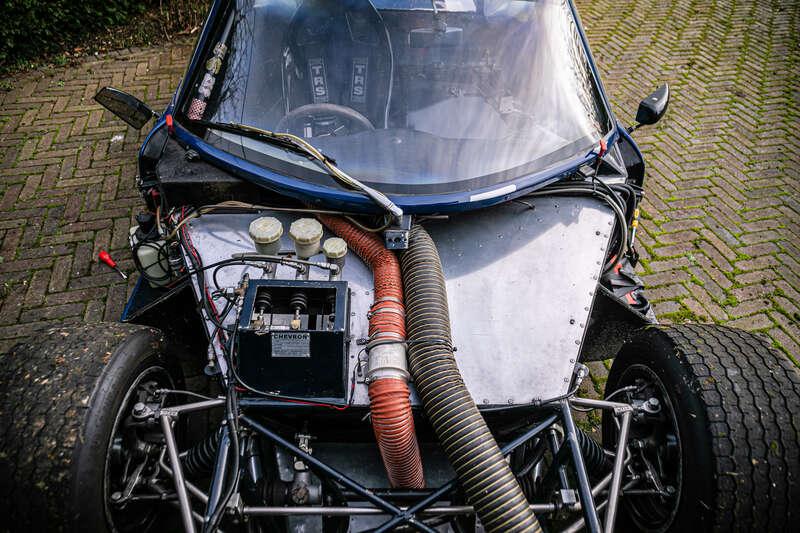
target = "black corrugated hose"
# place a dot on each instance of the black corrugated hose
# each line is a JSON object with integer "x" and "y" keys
{"x": 487, "y": 480}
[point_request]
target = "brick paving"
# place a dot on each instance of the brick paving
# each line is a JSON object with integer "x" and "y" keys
{"x": 719, "y": 239}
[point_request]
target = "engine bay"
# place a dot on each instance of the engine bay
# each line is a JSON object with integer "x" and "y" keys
{"x": 528, "y": 345}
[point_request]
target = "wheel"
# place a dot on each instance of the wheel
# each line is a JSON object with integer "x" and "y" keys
{"x": 70, "y": 446}
{"x": 716, "y": 445}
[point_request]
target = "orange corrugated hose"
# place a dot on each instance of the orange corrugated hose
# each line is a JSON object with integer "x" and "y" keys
{"x": 390, "y": 406}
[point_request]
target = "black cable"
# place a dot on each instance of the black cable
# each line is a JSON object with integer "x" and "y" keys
{"x": 243, "y": 261}
{"x": 160, "y": 250}
{"x": 208, "y": 306}
{"x": 231, "y": 416}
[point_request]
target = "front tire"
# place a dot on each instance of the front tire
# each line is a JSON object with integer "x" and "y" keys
{"x": 63, "y": 396}
{"x": 723, "y": 436}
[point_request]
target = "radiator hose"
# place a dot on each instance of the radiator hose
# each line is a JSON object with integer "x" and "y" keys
{"x": 487, "y": 480}
{"x": 387, "y": 372}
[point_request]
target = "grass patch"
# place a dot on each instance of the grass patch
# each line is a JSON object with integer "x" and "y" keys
{"x": 683, "y": 315}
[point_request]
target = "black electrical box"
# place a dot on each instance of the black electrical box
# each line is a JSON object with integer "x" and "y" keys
{"x": 293, "y": 338}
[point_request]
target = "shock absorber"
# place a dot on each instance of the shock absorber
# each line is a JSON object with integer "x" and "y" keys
{"x": 594, "y": 456}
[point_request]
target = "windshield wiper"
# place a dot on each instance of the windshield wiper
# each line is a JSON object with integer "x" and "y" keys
{"x": 300, "y": 145}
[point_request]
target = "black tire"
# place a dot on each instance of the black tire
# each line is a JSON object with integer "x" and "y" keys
{"x": 735, "y": 404}
{"x": 60, "y": 395}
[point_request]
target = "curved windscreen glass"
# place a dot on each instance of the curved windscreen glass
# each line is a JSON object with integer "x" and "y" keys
{"x": 410, "y": 96}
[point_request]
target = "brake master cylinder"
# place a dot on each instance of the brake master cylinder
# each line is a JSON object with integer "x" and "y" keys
{"x": 306, "y": 234}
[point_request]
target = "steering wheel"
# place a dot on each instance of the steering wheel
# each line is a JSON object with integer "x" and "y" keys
{"x": 323, "y": 119}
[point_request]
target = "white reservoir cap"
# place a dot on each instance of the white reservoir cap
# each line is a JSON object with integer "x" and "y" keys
{"x": 266, "y": 230}
{"x": 334, "y": 248}
{"x": 306, "y": 234}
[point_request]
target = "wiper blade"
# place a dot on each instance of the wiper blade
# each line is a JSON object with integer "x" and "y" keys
{"x": 300, "y": 145}
{"x": 252, "y": 133}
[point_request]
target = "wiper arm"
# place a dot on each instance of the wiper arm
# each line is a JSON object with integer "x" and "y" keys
{"x": 300, "y": 145}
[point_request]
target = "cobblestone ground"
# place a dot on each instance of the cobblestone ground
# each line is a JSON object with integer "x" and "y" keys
{"x": 722, "y": 216}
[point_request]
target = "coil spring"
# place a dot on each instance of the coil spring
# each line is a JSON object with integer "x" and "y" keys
{"x": 593, "y": 454}
{"x": 199, "y": 460}
{"x": 298, "y": 300}
{"x": 595, "y": 459}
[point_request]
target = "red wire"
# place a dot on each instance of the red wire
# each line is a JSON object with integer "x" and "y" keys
{"x": 193, "y": 251}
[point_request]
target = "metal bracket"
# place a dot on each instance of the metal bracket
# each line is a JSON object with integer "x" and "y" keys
{"x": 396, "y": 236}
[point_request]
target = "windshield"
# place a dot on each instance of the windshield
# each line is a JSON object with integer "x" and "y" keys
{"x": 410, "y": 96}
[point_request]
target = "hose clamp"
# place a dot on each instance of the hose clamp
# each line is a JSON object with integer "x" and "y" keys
{"x": 387, "y": 299}
{"x": 384, "y": 337}
{"x": 380, "y": 310}
{"x": 387, "y": 361}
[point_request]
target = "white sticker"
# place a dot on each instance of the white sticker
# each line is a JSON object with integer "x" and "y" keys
{"x": 291, "y": 344}
{"x": 319, "y": 81}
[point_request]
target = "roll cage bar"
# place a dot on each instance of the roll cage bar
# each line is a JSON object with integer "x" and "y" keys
{"x": 424, "y": 502}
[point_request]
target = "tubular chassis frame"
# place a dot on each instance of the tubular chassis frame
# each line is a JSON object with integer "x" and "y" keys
{"x": 609, "y": 487}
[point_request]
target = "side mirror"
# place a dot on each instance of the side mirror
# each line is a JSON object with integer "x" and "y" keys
{"x": 125, "y": 106}
{"x": 652, "y": 108}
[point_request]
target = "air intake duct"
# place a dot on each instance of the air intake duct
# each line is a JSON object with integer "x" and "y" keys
{"x": 390, "y": 407}
{"x": 487, "y": 480}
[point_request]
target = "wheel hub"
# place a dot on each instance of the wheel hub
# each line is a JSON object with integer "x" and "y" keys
{"x": 132, "y": 456}
{"x": 655, "y": 468}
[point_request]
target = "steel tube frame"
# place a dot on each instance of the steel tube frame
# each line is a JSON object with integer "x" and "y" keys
{"x": 616, "y": 481}
{"x": 552, "y": 442}
{"x": 338, "y": 476}
{"x": 584, "y": 487}
{"x": 195, "y": 514}
{"x": 625, "y": 411}
{"x": 220, "y": 471}
{"x": 449, "y": 486}
{"x": 193, "y": 489}
{"x": 442, "y": 510}
{"x": 180, "y": 482}
{"x": 425, "y": 505}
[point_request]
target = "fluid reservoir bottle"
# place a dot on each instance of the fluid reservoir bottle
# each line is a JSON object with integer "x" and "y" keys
{"x": 266, "y": 234}
{"x": 150, "y": 251}
{"x": 335, "y": 250}
{"x": 306, "y": 234}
